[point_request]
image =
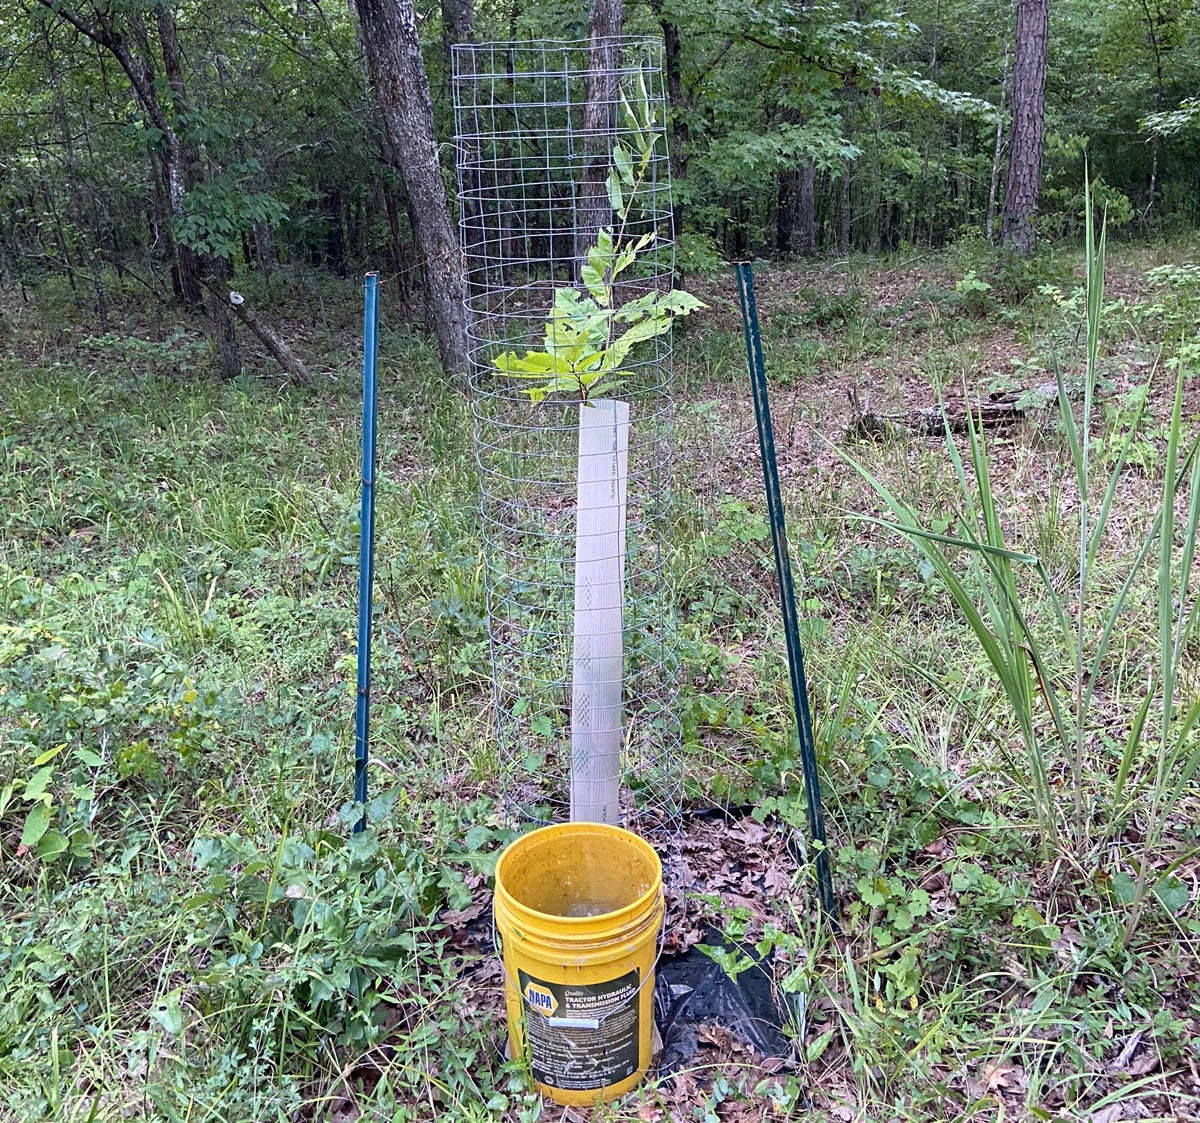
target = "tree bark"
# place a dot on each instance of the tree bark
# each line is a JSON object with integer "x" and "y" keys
{"x": 785, "y": 209}
{"x": 1156, "y": 49}
{"x": 795, "y": 220}
{"x": 189, "y": 150}
{"x": 677, "y": 108}
{"x": 806, "y": 209}
{"x": 73, "y": 180}
{"x": 180, "y": 163}
{"x": 161, "y": 233}
{"x": 393, "y": 50}
{"x": 458, "y": 26}
{"x": 962, "y": 188}
{"x": 334, "y": 254}
{"x": 593, "y": 209}
{"x": 1018, "y": 227}
{"x": 845, "y": 197}
{"x": 805, "y": 234}
{"x": 229, "y": 354}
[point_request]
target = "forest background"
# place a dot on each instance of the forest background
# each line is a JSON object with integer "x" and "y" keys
{"x": 249, "y": 135}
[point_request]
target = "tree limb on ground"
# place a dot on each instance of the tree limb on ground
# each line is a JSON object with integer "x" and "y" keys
{"x": 292, "y": 364}
{"x": 995, "y": 411}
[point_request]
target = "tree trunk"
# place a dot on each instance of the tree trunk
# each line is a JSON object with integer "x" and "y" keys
{"x": 458, "y": 26}
{"x": 1018, "y": 227}
{"x": 785, "y": 209}
{"x": 922, "y": 200}
{"x": 193, "y": 169}
{"x": 676, "y": 106}
{"x": 229, "y": 359}
{"x": 806, "y": 210}
{"x": 393, "y": 50}
{"x": 179, "y": 163}
{"x": 845, "y": 201}
{"x": 161, "y": 233}
{"x": 266, "y": 256}
{"x": 140, "y": 72}
{"x": 804, "y": 234}
{"x": 988, "y": 228}
{"x": 229, "y": 355}
{"x": 878, "y": 204}
{"x": 51, "y": 206}
{"x": 593, "y": 209}
{"x": 962, "y": 188}
{"x": 73, "y": 183}
{"x": 398, "y": 250}
{"x": 1156, "y": 49}
{"x": 335, "y": 235}
{"x": 1149, "y": 211}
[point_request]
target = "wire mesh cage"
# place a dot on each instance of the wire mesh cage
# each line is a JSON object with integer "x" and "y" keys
{"x": 579, "y": 726}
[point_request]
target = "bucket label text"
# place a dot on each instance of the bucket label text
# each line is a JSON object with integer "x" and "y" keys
{"x": 591, "y": 1056}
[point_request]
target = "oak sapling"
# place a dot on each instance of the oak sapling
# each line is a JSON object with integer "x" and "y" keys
{"x": 588, "y": 337}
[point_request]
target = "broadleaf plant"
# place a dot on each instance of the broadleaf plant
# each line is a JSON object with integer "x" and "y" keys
{"x": 588, "y": 336}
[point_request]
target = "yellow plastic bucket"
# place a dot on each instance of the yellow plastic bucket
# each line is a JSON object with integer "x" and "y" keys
{"x": 579, "y": 908}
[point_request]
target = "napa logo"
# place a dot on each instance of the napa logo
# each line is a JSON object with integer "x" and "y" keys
{"x": 540, "y": 999}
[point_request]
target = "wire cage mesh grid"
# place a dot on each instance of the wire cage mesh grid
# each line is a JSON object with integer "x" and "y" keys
{"x": 536, "y": 126}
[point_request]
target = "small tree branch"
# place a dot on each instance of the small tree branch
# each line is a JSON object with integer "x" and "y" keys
{"x": 292, "y": 364}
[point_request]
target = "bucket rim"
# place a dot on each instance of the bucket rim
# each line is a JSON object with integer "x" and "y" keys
{"x": 614, "y": 925}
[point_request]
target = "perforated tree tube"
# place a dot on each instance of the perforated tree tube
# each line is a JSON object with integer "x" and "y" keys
{"x": 783, "y": 572}
{"x": 597, "y": 653}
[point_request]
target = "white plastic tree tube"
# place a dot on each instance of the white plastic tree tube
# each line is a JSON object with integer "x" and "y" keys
{"x": 597, "y": 676}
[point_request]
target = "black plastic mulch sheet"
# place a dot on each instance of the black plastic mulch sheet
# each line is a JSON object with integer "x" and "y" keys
{"x": 692, "y": 990}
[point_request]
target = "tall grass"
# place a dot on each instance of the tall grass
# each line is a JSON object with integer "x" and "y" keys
{"x": 1032, "y": 662}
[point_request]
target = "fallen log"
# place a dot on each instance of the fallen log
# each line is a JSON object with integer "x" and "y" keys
{"x": 995, "y": 411}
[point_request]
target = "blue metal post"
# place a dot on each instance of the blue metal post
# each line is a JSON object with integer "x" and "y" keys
{"x": 366, "y": 550}
{"x": 787, "y": 593}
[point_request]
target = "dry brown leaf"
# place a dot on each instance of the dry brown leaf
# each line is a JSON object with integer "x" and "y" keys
{"x": 1066, "y": 944}
{"x": 455, "y": 918}
{"x": 684, "y": 1086}
{"x": 1144, "y": 1064}
{"x": 1002, "y": 1076}
{"x": 776, "y": 880}
{"x": 718, "y": 1036}
{"x": 748, "y": 830}
{"x": 935, "y": 880}
{"x": 489, "y": 971}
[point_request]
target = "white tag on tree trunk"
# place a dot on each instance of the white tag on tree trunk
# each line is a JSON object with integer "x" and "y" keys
{"x": 597, "y": 685}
